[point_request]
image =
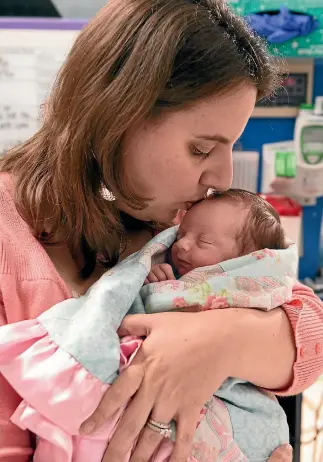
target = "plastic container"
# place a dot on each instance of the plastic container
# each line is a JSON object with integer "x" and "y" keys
{"x": 285, "y": 206}
{"x": 291, "y": 217}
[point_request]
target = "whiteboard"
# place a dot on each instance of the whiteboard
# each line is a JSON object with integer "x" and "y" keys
{"x": 29, "y": 62}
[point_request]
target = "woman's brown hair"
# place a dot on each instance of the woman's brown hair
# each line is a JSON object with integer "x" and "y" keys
{"x": 133, "y": 58}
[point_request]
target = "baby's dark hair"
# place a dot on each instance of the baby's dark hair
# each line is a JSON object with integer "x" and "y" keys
{"x": 262, "y": 228}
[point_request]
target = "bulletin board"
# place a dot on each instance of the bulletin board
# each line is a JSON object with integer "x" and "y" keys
{"x": 310, "y": 46}
{"x": 31, "y": 53}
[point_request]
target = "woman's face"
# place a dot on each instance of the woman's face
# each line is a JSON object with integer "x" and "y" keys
{"x": 175, "y": 158}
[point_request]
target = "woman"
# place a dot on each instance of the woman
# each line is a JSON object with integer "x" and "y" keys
{"x": 148, "y": 105}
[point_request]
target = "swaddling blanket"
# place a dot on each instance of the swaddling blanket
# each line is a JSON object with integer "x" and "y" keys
{"x": 62, "y": 363}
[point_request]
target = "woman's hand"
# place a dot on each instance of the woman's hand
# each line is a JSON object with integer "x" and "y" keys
{"x": 182, "y": 362}
{"x": 172, "y": 376}
{"x": 283, "y": 453}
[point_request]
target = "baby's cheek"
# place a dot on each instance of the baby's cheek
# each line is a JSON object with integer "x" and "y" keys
{"x": 174, "y": 251}
{"x": 197, "y": 258}
{"x": 209, "y": 257}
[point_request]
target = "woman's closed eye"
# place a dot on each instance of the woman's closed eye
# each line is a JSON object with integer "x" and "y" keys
{"x": 203, "y": 154}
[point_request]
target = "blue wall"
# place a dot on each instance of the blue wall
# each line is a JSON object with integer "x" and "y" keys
{"x": 260, "y": 131}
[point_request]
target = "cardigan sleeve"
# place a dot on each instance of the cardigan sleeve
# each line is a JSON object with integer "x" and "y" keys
{"x": 15, "y": 444}
{"x": 305, "y": 313}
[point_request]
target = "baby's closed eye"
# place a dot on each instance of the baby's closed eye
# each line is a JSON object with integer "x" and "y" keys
{"x": 206, "y": 240}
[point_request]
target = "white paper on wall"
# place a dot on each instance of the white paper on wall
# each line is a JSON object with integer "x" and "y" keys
{"x": 29, "y": 62}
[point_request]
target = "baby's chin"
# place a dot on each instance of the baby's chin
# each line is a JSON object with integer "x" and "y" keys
{"x": 182, "y": 270}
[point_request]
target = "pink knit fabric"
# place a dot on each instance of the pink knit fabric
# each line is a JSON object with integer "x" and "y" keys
{"x": 30, "y": 284}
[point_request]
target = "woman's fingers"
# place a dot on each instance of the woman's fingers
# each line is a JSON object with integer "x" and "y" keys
{"x": 119, "y": 393}
{"x": 146, "y": 446}
{"x": 150, "y": 439}
{"x": 185, "y": 429}
{"x": 130, "y": 426}
{"x": 283, "y": 453}
{"x": 136, "y": 324}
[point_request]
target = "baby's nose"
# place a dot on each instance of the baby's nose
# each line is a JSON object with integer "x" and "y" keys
{"x": 184, "y": 244}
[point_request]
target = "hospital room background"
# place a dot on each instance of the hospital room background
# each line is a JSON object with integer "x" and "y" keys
{"x": 280, "y": 154}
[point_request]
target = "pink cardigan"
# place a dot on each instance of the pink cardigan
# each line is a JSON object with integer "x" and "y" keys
{"x": 30, "y": 284}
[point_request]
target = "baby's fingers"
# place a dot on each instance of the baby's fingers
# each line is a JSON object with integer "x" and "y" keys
{"x": 169, "y": 273}
{"x": 152, "y": 277}
{"x": 159, "y": 273}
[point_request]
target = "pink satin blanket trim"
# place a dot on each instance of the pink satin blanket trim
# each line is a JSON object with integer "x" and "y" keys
{"x": 58, "y": 387}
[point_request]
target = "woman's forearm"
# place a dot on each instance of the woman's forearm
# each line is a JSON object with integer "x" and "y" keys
{"x": 260, "y": 346}
{"x": 265, "y": 348}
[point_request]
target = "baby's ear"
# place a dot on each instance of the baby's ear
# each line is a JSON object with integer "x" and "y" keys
{"x": 179, "y": 217}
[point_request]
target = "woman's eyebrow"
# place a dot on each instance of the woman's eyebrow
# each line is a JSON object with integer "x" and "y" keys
{"x": 219, "y": 138}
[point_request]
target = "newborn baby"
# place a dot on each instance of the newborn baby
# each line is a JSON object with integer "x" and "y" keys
{"x": 224, "y": 226}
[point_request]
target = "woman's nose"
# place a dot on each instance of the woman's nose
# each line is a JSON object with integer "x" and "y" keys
{"x": 218, "y": 174}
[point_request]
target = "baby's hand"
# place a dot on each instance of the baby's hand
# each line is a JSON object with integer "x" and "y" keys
{"x": 161, "y": 272}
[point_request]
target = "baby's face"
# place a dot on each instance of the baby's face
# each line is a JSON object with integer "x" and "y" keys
{"x": 208, "y": 235}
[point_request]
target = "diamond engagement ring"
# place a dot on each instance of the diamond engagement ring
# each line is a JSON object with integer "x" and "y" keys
{"x": 159, "y": 427}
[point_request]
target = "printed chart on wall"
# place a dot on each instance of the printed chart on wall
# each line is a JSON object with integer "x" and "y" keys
{"x": 29, "y": 61}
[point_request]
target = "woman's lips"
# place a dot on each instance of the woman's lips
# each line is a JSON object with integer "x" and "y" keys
{"x": 190, "y": 204}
